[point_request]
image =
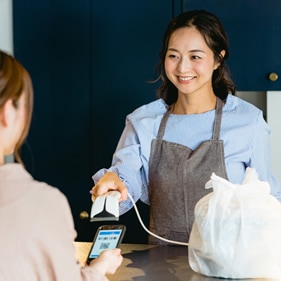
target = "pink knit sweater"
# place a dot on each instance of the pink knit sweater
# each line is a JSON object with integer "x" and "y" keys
{"x": 36, "y": 231}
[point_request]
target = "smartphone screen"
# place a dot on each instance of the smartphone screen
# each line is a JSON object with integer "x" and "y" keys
{"x": 107, "y": 237}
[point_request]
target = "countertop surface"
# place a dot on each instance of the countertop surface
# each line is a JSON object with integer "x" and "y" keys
{"x": 150, "y": 263}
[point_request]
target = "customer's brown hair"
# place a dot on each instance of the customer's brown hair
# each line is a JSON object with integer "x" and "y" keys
{"x": 14, "y": 82}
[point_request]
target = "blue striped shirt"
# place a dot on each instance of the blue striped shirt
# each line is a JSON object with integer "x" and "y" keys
{"x": 243, "y": 130}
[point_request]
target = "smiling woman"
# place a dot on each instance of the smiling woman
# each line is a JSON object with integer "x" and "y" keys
{"x": 170, "y": 147}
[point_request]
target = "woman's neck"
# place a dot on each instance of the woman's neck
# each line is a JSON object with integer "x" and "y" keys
{"x": 194, "y": 106}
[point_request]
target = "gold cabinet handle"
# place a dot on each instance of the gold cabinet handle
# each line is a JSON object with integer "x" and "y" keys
{"x": 273, "y": 76}
{"x": 84, "y": 215}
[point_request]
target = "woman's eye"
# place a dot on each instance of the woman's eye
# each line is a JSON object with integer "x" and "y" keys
{"x": 172, "y": 56}
{"x": 196, "y": 57}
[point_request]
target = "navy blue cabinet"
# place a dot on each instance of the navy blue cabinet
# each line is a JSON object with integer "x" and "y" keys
{"x": 90, "y": 62}
{"x": 254, "y": 29}
{"x": 125, "y": 42}
{"x": 51, "y": 38}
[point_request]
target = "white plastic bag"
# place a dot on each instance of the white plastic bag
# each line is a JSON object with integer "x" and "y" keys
{"x": 237, "y": 230}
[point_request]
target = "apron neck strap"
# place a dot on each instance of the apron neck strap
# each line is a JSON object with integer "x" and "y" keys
{"x": 217, "y": 125}
{"x": 163, "y": 123}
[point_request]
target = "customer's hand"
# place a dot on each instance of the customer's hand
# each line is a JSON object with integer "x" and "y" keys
{"x": 109, "y": 181}
{"x": 108, "y": 261}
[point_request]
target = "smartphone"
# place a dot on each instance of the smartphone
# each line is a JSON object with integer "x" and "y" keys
{"x": 106, "y": 237}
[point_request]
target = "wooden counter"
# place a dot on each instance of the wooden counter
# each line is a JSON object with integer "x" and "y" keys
{"x": 151, "y": 263}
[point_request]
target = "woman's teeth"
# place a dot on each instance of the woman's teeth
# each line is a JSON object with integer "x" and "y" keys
{"x": 186, "y": 78}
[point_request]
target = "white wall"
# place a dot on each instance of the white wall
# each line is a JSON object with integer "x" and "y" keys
{"x": 6, "y": 35}
{"x": 270, "y": 103}
{"x": 256, "y": 98}
{"x": 6, "y": 26}
{"x": 273, "y": 119}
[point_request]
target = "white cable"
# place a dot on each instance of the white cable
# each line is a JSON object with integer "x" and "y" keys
{"x": 149, "y": 232}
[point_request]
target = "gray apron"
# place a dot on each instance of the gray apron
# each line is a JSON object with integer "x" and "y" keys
{"x": 177, "y": 177}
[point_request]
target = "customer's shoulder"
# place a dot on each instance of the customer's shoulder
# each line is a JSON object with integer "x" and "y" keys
{"x": 48, "y": 192}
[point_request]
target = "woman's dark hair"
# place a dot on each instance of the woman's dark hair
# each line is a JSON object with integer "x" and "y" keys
{"x": 15, "y": 82}
{"x": 214, "y": 34}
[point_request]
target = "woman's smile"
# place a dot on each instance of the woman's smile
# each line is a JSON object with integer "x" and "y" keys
{"x": 186, "y": 78}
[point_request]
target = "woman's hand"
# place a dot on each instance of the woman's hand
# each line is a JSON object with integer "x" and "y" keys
{"x": 109, "y": 181}
{"x": 108, "y": 261}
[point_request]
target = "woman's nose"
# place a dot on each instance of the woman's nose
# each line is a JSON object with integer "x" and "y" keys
{"x": 183, "y": 65}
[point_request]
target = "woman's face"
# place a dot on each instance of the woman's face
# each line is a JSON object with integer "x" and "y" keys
{"x": 189, "y": 62}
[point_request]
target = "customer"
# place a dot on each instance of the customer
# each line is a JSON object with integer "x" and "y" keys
{"x": 170, "y": 147}
{"x": 37, "y": 231}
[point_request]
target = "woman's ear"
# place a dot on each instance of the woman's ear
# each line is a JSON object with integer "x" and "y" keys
{"x": 222, "y": 53}
{"x": 6, "y": 113}
{"x": 218, "y": 63}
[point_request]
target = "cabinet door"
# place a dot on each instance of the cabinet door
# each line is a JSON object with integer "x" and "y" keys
{"x": 125, "y": 42}
{"x": 254, "y": 29}
{"x": 90, "y": 62}
{"x": 51, "y": 39}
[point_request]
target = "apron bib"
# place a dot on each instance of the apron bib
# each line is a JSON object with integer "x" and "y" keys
{"x": 177, "y": 177}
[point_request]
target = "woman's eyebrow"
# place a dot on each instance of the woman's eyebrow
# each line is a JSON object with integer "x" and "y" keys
{"x": 191, "y": 51}
{"x": 196, "y": 51}
{"x": 172, "y": 49}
